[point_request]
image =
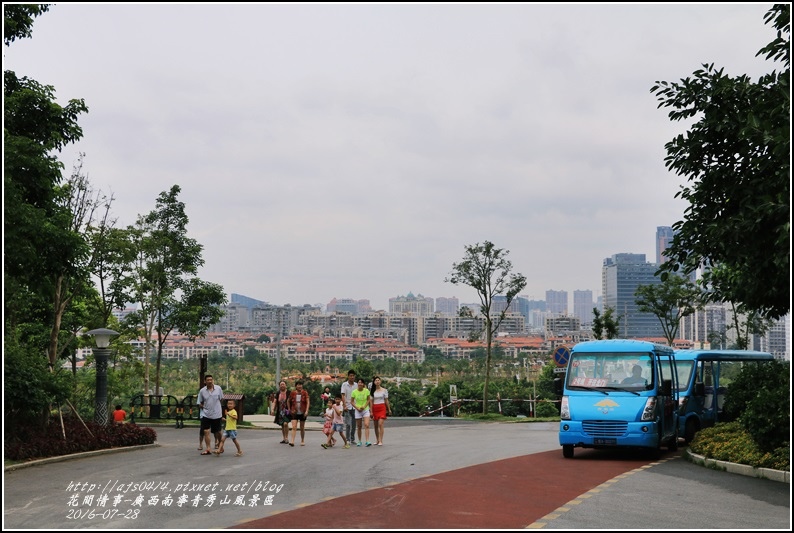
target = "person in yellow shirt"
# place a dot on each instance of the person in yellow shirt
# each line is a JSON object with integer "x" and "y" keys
{"x": 231, "y": 429}
{"x": 362, "y": 401}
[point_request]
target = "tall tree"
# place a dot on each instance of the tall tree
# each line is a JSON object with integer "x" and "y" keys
{"x": 46, "y": 217}
{"x": 671, "y": 300}
{"x": 486, "y": 269}
{"x": 746, "y": 322}
{"x": 40, "y": 244}
{"x": 82, "y": 211}
{"x": 163, "y": 280}
{"x": 736, "y": 158}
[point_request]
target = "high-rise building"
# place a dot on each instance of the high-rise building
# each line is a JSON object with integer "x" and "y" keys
{"x": 447, "y": 306}
{"x": 417, "y": 305}
{"x": 346, "y": 305}
{"x": 621, "y": 275}
{"x": 583, "y": 306}
{"x": 557, "y": 302}
{"x": 778, "y": 338}
{"x": 664, "y": 236}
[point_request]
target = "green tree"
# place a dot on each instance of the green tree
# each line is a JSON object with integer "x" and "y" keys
{"x": 487, "y": 270}
{"x": 606, "y": 325}
{"x": 403, "y": 401}
{"x": 736, "y": 158}
{"x": 364, "y": 369}
{"x": 41, "y": 246}
{"x": 747, "y": 322}
{"x": 671, "y": 300}
{"x": 163, "y": 280}
{"x": 83, "y": 213}
{"x": 47, "y": 295}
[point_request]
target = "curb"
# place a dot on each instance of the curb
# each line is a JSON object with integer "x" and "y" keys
{"x": 59, "y": 458}
{"x": 734, "y": 468}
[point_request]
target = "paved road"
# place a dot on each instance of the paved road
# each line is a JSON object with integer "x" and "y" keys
{"x": 431, "y": 473}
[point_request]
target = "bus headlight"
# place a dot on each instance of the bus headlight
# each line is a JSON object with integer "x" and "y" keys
{"x": 649, "y": 413}
{"x": 565, "y": 411}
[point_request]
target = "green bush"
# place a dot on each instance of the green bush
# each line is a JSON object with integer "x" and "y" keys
{"x": 29, "y": 387}
{"x": 547, "y": 410}
{"x": 731, "y": 442}
{"x": 759, "y": 399}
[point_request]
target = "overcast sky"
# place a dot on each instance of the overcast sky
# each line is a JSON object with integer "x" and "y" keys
{"x": 354, "y": 150}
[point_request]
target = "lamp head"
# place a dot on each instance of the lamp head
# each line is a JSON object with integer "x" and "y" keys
{"x": 102, "y": 336}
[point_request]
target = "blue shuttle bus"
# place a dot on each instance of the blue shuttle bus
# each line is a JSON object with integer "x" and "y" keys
{"x": 619, "y": 393}
{"x": 703, "y": 379}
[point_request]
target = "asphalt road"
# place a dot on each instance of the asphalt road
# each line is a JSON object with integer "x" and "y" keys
{"x": 431, "y": 473}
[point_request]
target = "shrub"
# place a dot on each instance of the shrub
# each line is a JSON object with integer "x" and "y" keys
{"x": 29, "y": 387}
{"x": 546, "y": 410}
{"x": 759, "y": 399}
{"x": 33, "y": 443}
{"x": 733, "y": 443}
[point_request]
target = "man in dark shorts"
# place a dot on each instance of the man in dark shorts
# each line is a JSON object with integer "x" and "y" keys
{"x": 210, "y": 399}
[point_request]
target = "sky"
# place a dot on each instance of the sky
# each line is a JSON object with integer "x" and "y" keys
{"x": 354, "y": 150}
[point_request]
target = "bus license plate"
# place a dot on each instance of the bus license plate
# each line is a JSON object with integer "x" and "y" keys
{"x": 605, "y": 442}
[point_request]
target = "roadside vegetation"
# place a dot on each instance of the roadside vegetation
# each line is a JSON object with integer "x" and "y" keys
{"x": 757, "y": 425}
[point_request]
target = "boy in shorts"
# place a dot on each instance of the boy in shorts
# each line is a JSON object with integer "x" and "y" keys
{"x": 231, "y": 429}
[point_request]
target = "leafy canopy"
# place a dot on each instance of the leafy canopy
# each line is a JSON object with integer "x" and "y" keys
{"x": 736, "y": 158}
{"x": 671, "y": 300}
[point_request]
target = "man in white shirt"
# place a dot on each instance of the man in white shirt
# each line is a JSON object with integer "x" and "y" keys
{"x": 210, "y": 399}
{"x": 350, "y": 413}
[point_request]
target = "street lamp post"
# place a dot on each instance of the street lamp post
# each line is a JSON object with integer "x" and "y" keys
{"x": 101, "y": 352}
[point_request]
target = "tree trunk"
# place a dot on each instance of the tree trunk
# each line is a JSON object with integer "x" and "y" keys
{"x": 488, "y": 336}
{"x": 58, "y": 306}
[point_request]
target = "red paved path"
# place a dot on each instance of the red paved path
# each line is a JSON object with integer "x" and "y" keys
{"x": 507, "y": 494}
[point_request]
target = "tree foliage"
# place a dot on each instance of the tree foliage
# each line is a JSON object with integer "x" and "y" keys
{"x": 759, "y": 398}
{"x": 671, "y": 300}
{"x": 746, "y": 322}
{"x": 605, "y": 325}
{"x": 163, "y": 280}
{"x": 486, "y": 269}
{"x": 39, "y": 245}
{"x": 18, "y": 20}
{"x": 736, "y": 159}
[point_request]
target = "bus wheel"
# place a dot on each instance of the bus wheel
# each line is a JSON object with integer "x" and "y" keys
{"x": 567, "y": 450}
{"x": 690, "y": 429}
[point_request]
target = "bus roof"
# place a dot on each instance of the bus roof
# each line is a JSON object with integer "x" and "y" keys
{"x": 722, "y": 355}
{"x": 620, "y": 345}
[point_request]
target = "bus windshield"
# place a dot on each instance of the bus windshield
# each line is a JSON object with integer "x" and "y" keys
{"x": 624, "y": 370}
{"x": 684, "y": 370}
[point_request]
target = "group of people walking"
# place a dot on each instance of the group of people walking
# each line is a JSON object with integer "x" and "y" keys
{"x": 348, "y": 414}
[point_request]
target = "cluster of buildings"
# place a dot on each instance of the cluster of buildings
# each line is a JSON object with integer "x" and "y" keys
{"x": 349, "y": 328}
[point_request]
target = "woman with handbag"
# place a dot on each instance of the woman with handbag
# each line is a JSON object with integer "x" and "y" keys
{"x": 282, "y": 417}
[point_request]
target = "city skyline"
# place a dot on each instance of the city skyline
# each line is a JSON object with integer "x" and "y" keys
{"x": 354, "y": 151}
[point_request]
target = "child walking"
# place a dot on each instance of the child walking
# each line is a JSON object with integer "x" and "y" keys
{"x": 337, "y": 420}
{"x": 231, "y": 429}
{"x": 328, "y": 416}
